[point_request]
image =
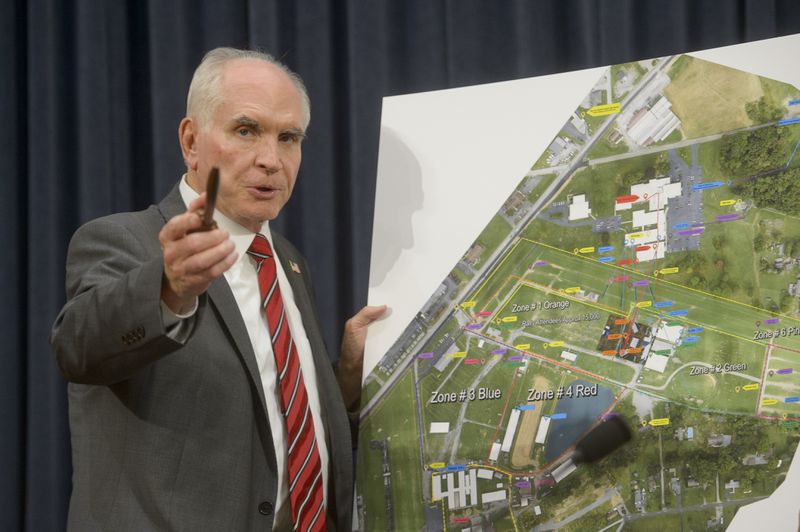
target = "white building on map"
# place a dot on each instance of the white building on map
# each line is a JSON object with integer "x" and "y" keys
{"x": 508, "y": 439}
{"x": 579, "y": 208}
{"x": 650, "y": 224}
{"x": 653, "y": 124}
{"x": 494, "y": 453}
{"x": 541, "y": 433}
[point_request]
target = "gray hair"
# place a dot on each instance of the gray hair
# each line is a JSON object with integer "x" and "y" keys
{"x": 205, "y": 91}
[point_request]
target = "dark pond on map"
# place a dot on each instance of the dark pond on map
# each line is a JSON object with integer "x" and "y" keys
{"x": 581, "y": 413}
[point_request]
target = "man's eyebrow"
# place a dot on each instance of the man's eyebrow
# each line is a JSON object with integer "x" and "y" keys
{"x": 248, "y": 122}
{"x": 295, "y": 132}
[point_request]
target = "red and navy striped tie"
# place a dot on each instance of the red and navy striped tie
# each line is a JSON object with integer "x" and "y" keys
{"x": 303, "y": 462}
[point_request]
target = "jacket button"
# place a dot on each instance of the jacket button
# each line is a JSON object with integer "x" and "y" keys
{"x": 265, "y": 508}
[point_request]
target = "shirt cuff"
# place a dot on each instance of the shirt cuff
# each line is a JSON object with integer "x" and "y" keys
{"x": 178, "y": 326}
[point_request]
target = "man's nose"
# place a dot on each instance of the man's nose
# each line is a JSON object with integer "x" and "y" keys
{"x": 268, "y": 156}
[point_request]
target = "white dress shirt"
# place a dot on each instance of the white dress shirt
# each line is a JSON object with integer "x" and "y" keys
{"x": 243, "y": 281}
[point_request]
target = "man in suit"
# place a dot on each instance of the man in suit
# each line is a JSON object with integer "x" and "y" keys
{"x": 182, "y": 411}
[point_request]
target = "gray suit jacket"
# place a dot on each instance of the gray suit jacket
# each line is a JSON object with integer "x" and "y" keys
{"x": 168, "y": 436}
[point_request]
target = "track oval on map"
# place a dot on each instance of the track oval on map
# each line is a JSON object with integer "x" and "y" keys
{"x": 581, "y": 414}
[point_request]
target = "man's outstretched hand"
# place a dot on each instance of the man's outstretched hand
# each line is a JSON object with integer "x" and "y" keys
{"x": 351, "y": 360}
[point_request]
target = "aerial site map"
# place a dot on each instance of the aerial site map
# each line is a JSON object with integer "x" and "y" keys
{"x": 648, "y": 267}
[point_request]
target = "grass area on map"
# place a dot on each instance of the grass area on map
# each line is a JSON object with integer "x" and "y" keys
{"x": 698, "y": 102}
{"x": 541, "y": 185}
{"x": 395, "y": 421}
{"x": 658, "y": 523}
{"x": 491, "y": 237}
{"x": 604, "y": 147}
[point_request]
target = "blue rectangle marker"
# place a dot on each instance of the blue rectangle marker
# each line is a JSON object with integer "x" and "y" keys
{"x": 695, "y": 330}
{"x": 605, "y": 249}
{"x": 705, "y": 186}
{"x": 795, "y": 399}
{"x": 605, "y": 259}
{"x": 662, "y": 304}
{"x": 794, "y": 102}
{"x": 691, "y": 339}
{"x": 681, "y": 312}
{"x": 788, "y": 121}
{"x": 560, "y": 415}
{"x": 526, "y": 407}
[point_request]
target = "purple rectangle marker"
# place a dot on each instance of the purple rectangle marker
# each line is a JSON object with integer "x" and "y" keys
{"x": 643, "y": 282}
{"x": 772, "y": 321}
{"x": 500, "y": 351}
{"x": 523, "y": 484}
{"x": 728, "y": 217}
{"x": 540, "y": 263}
{"x": 425, "y": 355}
{"x": 692, "y": 232}
{"x": 473, "y": 326}
{"x": 784, "y": 371}
{"x": 515, "y": 358}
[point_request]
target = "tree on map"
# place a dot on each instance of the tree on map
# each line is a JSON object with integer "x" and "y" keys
{"x": 753, "y": 151}
{"x": 761, "y": 111}
{"x": 779, "y": 191}
{"x": 758, "y": 242}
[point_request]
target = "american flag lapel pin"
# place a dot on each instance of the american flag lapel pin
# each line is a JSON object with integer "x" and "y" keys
{"x": 294, "y": 266}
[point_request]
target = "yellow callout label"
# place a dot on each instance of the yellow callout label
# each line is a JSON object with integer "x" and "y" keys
{"x": 750, "y": 387}
{"x": 572, "y": 289}
{"x": 635, "y": 235}
{"x": 665, "y": 271}
{"x": 660, "y": 422}
{"x": 437, "y": 465}
{"x": 510, "y": 319}
{"x": 459, "y": 354}
{"x": 726, "y": 202}
{"x": 587, "y": 249}
{"x": 604, "y": 110}
{"x": 644, "y": 304}
{"x": 768, "y": 402}
{"x": 522, "y": 346}
{"x": 468, "y": 304}
{"x": 558, "y": 343}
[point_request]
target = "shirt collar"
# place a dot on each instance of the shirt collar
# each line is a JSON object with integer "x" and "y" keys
{"x": 240, "y": 236}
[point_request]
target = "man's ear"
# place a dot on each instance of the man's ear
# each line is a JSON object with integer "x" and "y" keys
{"x": 187, "y": 136}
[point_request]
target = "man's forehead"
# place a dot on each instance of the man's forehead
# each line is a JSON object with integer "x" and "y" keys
{"x": 259, "y": 91}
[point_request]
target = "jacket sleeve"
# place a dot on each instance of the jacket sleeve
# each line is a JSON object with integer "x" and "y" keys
{"x": 111, "y": 325}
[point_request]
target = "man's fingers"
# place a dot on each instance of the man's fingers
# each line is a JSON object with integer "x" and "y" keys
{"x": 207, "y": 258}
{"x": 368, "y": 314}
{"x": 198, "y": 203}
{"x": 178, "y": 226}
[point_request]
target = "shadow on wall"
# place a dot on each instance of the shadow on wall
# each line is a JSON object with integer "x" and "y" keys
{"x": 399, "y": 194}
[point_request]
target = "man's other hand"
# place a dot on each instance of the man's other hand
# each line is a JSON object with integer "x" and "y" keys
{"x": 192, "y": 260}
{"x": 351, "y": 360}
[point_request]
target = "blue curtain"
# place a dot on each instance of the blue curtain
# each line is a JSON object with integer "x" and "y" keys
{"x": 92, "y": 92}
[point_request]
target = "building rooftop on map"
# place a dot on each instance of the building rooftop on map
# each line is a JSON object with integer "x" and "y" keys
{"x": 653, "y": 124}
{"x": 579, "y": 208}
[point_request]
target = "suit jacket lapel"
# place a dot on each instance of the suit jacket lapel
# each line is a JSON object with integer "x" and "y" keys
{"x": 222, "y": 298}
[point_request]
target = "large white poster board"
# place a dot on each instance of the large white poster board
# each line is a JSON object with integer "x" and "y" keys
{"x": 450, "y": 160}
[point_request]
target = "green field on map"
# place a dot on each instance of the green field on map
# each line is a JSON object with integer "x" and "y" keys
{"x": 648, "y": 267}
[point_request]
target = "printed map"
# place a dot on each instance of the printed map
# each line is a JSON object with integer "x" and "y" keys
{"x": 647, "y": 266}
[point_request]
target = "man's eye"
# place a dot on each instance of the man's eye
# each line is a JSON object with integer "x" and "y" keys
{"x": 288, "y": 137}
{"x": 243, "y": 131}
